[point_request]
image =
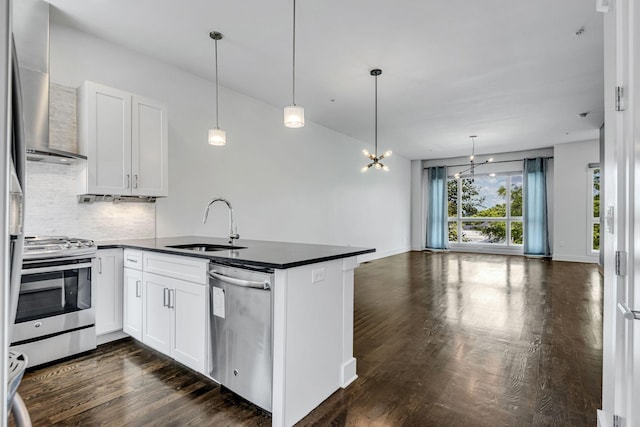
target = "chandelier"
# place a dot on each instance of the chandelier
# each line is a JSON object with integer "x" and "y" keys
{"x": 471, "y": 170}
{"x": 375, "y": 160}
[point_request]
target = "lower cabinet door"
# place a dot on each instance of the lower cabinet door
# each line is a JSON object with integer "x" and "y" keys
{"x": 189, "y": 305}
{"x": 157, "y": 323}
{"x": 132, "y": 304}
{"x": 108, "y": 278}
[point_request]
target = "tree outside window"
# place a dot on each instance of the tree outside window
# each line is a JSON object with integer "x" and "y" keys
{"x": 486, "y": 209}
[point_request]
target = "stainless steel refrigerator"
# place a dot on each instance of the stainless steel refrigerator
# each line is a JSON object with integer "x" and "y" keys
{"x": 13, "y": 182}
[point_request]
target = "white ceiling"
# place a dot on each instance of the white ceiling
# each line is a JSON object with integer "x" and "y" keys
{"x": 512, "y": 72}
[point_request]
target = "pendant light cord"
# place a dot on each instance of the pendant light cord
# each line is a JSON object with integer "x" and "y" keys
{"x": 294, "y": 54}
{"x": 217, "y": 108}
{"x": 376, "y": 119}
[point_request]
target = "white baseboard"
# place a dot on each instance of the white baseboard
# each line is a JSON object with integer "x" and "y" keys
{"x": 378, "y": 255}
{"x": 603, "y": 419}
{"x": 113, "y": 336}
{"x": 576, "y": 258}
{"x": 348, "y": 373}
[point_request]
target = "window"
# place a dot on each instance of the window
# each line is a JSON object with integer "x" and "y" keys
{"x": 593, "y": 220}
{"x": 485, "y": 209}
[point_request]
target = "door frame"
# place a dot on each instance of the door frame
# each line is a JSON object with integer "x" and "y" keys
{"x": 621, "y": 337}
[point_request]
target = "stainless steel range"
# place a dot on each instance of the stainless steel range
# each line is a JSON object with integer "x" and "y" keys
{"x": 56, "y": 310}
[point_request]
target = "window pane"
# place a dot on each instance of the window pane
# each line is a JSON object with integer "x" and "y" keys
{"x": 484, "y": 196}
{"x": 452, "y": 197}
{"x": 470, "y": 198}
{"x": 596, "y": 193}
{"x": 516, "y": 232}
{"x": 596, "y": 237}
{"x": 484, "y": 231}
{"x": 453, "y": 231}
{"x": 516, "y": 196}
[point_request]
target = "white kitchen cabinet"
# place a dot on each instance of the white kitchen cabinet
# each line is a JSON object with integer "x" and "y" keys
{"x": 190, "y": 316}
{"x": 108, "y": 288}
{"x": 156, "y": 312}
{"x": 132, "y": 304}
{"x": 124, "y": 137}
{"x": 174, "y": 304}
{"x": 174, "y": 318}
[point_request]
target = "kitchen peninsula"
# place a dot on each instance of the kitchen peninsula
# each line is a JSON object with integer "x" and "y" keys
{"x": 312, "y": 308}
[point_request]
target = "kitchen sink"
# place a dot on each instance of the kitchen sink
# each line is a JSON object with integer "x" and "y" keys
{"x": 205, "y": 247}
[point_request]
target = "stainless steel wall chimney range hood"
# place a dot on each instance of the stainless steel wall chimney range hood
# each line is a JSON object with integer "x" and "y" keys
{"x": 31, "y": 33}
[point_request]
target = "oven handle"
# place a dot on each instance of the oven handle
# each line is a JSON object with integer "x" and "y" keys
{"x": 55, "y": 268}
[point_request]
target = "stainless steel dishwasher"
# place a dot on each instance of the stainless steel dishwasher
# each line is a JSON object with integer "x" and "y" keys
{"x": 241, "y": 331}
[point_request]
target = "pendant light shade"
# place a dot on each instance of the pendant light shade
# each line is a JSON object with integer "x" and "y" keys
{"x": 375, "y": 160}
{"x": 294, "y": 114}
{"x": 217, "y": 136}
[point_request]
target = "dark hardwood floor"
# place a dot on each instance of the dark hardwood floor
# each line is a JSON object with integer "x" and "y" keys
{"x": 441, "y": 339}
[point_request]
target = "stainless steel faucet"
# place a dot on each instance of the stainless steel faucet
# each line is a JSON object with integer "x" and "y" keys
{"x": 233, "y": 231}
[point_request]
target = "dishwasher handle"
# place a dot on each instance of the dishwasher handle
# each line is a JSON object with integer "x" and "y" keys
{"x": 265, "y": 284}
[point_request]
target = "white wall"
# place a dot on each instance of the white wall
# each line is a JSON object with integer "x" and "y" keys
{"x": 301, "y": 185}
{"x": 571, "y": 240}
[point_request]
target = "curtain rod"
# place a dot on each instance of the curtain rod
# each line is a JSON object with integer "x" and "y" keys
{"x": 494, "y": 162}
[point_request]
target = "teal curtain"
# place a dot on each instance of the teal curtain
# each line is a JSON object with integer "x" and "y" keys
{"x": 535, "y": 218}
{"x": 437, "y": 215}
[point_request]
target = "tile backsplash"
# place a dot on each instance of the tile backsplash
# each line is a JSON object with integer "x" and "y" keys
{"x": 52, "y": 208}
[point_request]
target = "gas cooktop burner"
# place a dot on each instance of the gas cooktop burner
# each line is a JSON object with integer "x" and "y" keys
{"x": 57, "y": 246}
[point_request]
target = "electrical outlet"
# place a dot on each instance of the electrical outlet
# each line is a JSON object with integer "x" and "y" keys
{"x": 317, "y": 275}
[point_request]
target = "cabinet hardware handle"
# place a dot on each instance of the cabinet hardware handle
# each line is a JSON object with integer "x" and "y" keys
{"x": 57, "y": 268}
{"x": 99, "y": 265}
{"x": 128, "y": 180}
{"x": 138, "y": 293}
{"x": 135, "y": 261}
{"x": 627, "y": 313}
{"x": 172, "y": 298}
{"x": 164, "y": 297}
{"x": 136, "y": 181}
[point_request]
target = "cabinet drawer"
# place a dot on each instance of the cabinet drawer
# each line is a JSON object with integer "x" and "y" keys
{"x": 179, "y": 267}
{"x": 133, "y": 259}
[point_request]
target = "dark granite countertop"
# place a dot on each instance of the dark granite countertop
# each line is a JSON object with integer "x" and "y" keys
{"x": 257, "y": 253}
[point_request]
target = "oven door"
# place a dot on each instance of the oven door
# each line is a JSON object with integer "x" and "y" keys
{"x": 55, "y": 297}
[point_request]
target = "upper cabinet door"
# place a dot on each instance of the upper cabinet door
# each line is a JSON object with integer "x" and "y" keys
{"x": 149, "y": 148}
{"x": 125, "y": 139}
{"x": 105, "y": 135}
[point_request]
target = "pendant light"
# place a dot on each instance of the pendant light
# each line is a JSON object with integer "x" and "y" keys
{"x": 375, "y": 160}
{"x": 294, "y": 114}
{"x": 472, "y": 160}
{"x": 217, "y": 136}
